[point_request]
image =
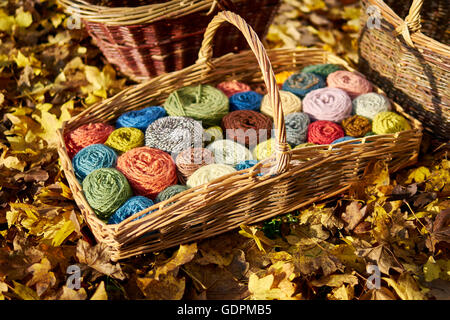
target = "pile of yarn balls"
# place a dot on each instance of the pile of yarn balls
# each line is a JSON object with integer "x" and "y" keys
{"x": 130, "y": 167}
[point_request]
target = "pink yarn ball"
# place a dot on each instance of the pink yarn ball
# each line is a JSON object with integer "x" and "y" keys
{"x": 352, "y": 83}
{"x": 331, "y": 104}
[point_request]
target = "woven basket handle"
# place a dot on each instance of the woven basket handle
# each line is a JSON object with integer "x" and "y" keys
{"x": 282, "y": 150}
{"x": 411, "y": 22}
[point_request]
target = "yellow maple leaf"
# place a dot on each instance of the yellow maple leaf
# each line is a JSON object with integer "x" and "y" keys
{"x": 23, "y": 19}
{"x": 418, "y": 175}
{"x": 406, "y": 287}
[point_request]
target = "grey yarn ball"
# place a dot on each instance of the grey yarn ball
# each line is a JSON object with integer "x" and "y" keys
{"x": 174, "y": 134}
{"x": 296, "y": 128}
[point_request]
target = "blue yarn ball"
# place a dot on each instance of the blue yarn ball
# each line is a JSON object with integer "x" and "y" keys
{"x": 248, "y": 100}
{"x": 93, "y": 157}
{"x": 131, "y": 206}
{"x": 245, "y": 164}
{"x": 140, "y": 119}
{"x": 302, "y": 83}
{"x": 346, "y": 138}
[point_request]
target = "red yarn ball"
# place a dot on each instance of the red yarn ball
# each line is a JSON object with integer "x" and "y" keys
{"x": 148, "y": 170}
{"x": 324, "y": 132}
{"x": 85, "y": 135}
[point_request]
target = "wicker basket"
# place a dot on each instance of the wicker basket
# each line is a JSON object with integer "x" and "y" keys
{"x": 162, "y": 36}
{"x": 300, "y": 176}
{"x": 409, "y": 62}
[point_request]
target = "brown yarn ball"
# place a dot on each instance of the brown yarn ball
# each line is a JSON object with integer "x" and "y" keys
{"x": 236, "y": 126}
{"x": 356, "y": 126}
{"x": 189, "y": 160}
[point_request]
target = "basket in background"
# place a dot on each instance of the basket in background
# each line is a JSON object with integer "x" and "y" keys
{"x": 300, "y": 176}
{"x": 148, "y": 37}
{"x": 410, "y": 58}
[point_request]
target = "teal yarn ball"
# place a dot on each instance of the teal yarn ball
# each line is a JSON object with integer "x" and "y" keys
{"x": 93, "y": 157}
{"x": 346, "y": 138}
{"x": 140, "y": 119}
{"x": 106, "y": 189}
{"x": 169, "y": 192}
{"x": 131, "y": 206}
{"x": 322, "y": 70}
{"x": 296, "y": 128}
{"x": 302, "y": 83}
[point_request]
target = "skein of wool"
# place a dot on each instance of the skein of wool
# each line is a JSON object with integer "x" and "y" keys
{"x": 85, "y": 135}
{"x": 296, "y": 127}
{"x": 265, "y": 149}
{"x": 281, "y": 77}
{"x": 247, "y": 127}
{"x": 370, "y": 104}
{"x": 148, "y": 170}
{"x": 131, "y": 206}
{"x": 140, "y": 119}
{"x": 324, "y": 132}
{"x": 124, "y": 139}
{"x": 245, "y": 164}
{"x": 91, "y": 158}
{"x": 174, "y": 134}
{"x": 289, "y": 102}
{"x": 352, "y": 83}
{"x": 229, "y": 152}
{"x": 322, "y": 70}
{"x": 209, "y": 173}
{"x": 356, "y": 126}
{"x": 346, "y": 138}
{"x": 302, "y": 83}
{"x": 248, "y": 100}
{"x": 169, "y": 192}
{"x": 331, "y": 104}
{"x": 232, "y": 87}
{"x": 106, "y": 189}
{"x": 189, "y": 160}
{"x": 203, "y": 103}
{"x": 213, "y": 133}
{"x": 389, "y": 122}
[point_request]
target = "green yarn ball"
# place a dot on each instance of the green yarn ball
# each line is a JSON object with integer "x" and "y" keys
{"x": 322, "y": 70}
{"x": 106, "y": 189}
{"x": 203, "y": 103}
{"x": 389, "y": 122}
{"x": 169, "y": 192}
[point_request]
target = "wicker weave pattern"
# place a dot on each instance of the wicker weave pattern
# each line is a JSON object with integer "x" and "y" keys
{"x": 304, "y": 175}
{"x": 412, "y": 68}
{"x": 156, "y": 38}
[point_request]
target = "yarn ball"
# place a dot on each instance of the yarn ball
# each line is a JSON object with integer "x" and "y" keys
{"x": 232, "y": 87}
{"x": 189, "y": 160}
{"x": 296, "y": 127}
{"x": 229, "y": 152}
{"x": 91, "y": 158}
{"x": 85, "y": 135}
{"x": 203, "y": 103}
{"x": 389, "y": 122}
{"x": 245, "y": 164}
{"x": 131, "y": 206}
{"x": 352, "y": 83}
{"x": 356, "y": 126}
{"x": 370, "y": 104}
{"x": 302, "y": 83}
{"x": 247, "y": 127}
{"x": 324, "y": 132}
{"x": 248, "y": 100}
{"x": 140, "y": 119}
{"x": 265, "y": 149}
{"x": 213, "y": 133}
{"x": 209, "y": 173}
{"x": 331, "y": 104}
{"x": 304, "y": 145}
{"x": 322, "y": 70}
{"x": 289, "y": 102}
{"x": 174, "y": 134}
{"x": 281, "y": 77}
{"x": 169, "y": 192}
{"x": 124, "y": 139}
{"x": 346, "y": 138}
{"x": 148, "y": 170}
{"x": 106, "y": 189}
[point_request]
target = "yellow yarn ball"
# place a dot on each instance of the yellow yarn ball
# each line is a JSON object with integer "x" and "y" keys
{"x": 281, "y": 77}
{"x": 304, "y": 145}
{"x": 213, "y": 134}
{"x": 289, "y": 102}
{"x": 389, "y": 122}
{"x": 265, "y": 149}
{"x": 208, "y": 173}
{"x": 125, "y": 138}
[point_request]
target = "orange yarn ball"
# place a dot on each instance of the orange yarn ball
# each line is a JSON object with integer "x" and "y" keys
{"x": 148, "y": 170}
{"x": 85, "y": 135}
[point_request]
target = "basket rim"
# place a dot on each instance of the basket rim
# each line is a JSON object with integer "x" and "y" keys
{"x": 417, "y": 37}
{"x": 251, "y": 173}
